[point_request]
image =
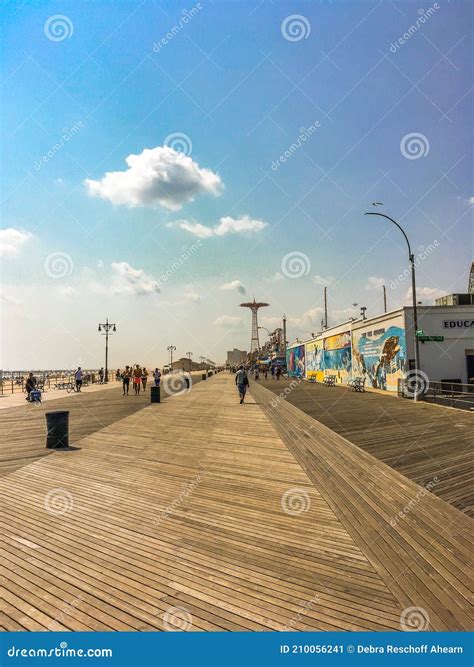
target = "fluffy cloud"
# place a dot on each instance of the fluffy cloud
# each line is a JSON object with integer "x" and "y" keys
{"x": 234, "y": 285}
{"x": 12, "y": 241}
{"x": 244, "y": 225}
{"x": 127, "y": 280}
{"x": 425, "y": 294}
{"x": 190, "y": 294}
{"x": 375, "y": 283}
{"x": 157, "y": 176}
{"x": 228, "y": 322}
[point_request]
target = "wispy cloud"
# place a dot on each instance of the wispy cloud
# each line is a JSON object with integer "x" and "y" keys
{"x": 157, "y": 176}
{"x": 375, "y": 283}
{"x": 129, "y": 281}
{"x": 228, "y": 322}
{"x": 245, "y": 225}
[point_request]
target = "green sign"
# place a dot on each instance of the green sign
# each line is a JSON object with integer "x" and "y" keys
{"x": 420, "y": 332}
{"x": 426, "y": 339}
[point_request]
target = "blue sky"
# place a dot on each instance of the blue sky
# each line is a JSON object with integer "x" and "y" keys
{"x": 241, "y": 92}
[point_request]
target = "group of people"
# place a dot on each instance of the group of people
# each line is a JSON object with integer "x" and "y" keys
{"x": 138, "y": 375}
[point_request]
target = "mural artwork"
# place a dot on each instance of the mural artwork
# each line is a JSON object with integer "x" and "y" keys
{"x": 295, "y": 361}
{"x": 315, "y": 360}
{"x": 337, "y": 356}
{"x": 379, "y": 355}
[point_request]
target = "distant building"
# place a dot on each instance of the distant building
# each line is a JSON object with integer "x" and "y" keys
{"x": 184, "y": 364}
{"x": 459, "y": 299}
{"x": 236, "y": 357}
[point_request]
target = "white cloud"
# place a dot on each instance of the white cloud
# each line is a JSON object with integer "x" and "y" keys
{"x": 244, "y": 225}
{"x": 375, "y": 283}
{"x": 309, "y": 320}
{"x": 12, "y": 241}
{"x": 228, "y": 322}
{"x": 157, "y": 176}
{"x": 425, "y": 294}
{"x": 321, "y": 280}
{"x": 234, "y": 285}
{"x": 190, "y": 294}
{"x": 127, "y": 280}
{"x": 66, "y": 292}
{"x": 471, "y": 201}
{"x": 275, "y": 278}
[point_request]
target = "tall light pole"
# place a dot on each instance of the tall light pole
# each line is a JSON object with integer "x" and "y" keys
{"x": 171, "y": 349}
{"x": 189, "y": 355}
{"x": 411, "y": 258}
{"x": 384, "y": 298}
{"x": 325, "y": 307}
{"x": 107, "y": 327}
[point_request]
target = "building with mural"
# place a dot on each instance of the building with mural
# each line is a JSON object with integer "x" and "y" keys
{"x": 381, "y": 349}
{"x": 295, "y": 360}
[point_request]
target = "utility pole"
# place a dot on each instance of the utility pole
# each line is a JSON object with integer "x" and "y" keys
{"x": 325, "y": 307}
{"x": 284, "y": 335}
{"x": 171, "y": 349}
{"x": 384, "y": 298}
{"x": 107, "y": 327}
{"x": 189, "y": 355}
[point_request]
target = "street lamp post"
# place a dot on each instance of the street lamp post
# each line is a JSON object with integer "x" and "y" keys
{"x": 171, "y": 349}
{"x": 107, "y": 327}
{"x": 189, "y": 355}
{"x": 411, "y": 257}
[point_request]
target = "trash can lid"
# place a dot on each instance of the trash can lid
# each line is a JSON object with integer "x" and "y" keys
{"x": 57, "y": 412}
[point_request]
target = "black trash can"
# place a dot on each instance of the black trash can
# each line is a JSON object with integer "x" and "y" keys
{"x": 203, "y": 376}
{"x": 57, "y": 424}
{"x": 155, "y": 394}
{"x": 186, "y": 382}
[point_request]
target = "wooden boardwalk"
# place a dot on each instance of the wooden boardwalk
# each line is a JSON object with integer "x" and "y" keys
{"x": 422, "y": 441}
{"x": 196, "y": 514}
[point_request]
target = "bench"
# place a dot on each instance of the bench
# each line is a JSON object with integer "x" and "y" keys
{"x": 357, "y": 384}
{"x": 63, "y": 385}
{"x": 330, "y": 380}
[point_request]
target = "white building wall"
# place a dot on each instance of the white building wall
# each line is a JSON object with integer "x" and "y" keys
{"x": 444, "y": 360}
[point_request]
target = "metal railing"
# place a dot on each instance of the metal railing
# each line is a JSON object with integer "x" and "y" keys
{"x": 443, "y": 392}
{"x": 48, "y": 382}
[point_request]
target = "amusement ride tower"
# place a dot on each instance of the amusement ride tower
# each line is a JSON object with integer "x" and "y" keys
{"x": 254, "y": 306}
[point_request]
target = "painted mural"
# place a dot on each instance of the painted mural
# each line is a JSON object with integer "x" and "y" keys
{"x": 295, "y": 361}
{"x": 337, "y": 356}
{"x": 379, "y": 354}
{"x": 314, "y": 360}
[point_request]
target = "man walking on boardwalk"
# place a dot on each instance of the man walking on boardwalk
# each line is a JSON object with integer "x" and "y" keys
{"x": 242, "y": 382}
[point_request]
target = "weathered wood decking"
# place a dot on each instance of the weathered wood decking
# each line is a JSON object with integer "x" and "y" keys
{"x": 195, "y": 514}
{"x": 422, "y": 441}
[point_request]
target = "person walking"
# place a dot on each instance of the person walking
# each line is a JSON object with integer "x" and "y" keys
{"x": 101, "y": 376}
{"x": 78, "y": 376}
{"x": 157, "y": 377}
{"x": 126, "y": 380}
{"x": 242, "y": 382}
{"x": 278, "y": 372}
{"x": 144, "y": 377}
{"x": 273, "y": 372}
{"x": 137, "y": 377}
